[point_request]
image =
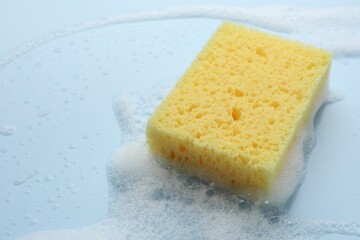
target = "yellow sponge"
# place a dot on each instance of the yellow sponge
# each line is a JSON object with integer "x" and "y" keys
{"x": 234, "y": 115}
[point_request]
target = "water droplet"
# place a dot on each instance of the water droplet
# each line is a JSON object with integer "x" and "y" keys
{"x": 56, "y": 206}
{"x": 105, "y": 73}
{"x": 72, "y": 146}
{"x": 57, "y": 50}
{"x": 27, "y": 101}
{"x": 3, "y": 150}
{"x": 48, "y": 178}
{"x": 27, "y": 216}
{"x": 34, "y": 221}
{"x": 43, "y": 113}
{"x": 85, "y": 136}
{"x": 38, "y": 65}
{"x": 20, "y": 180}
{"x": 33, "y": 172}
{"x": 51, "y": 199}
{"x": 23, "y": 179}
{"x": 7, "y": 130}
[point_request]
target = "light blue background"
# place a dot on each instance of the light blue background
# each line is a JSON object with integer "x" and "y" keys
{"x": 75, "y": 79}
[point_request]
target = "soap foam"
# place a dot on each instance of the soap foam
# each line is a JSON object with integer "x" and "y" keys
{"x": 292, "y": 170}
{"x": 333, "y": 28}
{"x": 149, "y": 201}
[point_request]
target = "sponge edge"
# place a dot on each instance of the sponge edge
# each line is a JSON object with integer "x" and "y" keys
{"x": 239, "y": 111}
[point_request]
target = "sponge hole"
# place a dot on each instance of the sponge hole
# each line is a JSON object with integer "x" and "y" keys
{"x": 182, "y": 148}
{"x": 199, "y": 115}
{"x": 261, "y": 52}
{"x": 238, "y": 93}
{"x": 172, "y": 154}
{"x": 310, "y": 66}
{"x": 180, "y": 111}
{"x": 236, "y": 114}
{"x": 271, "y": 121}
{"x": 179, "y": 122}
{"x": 274, "y": 104}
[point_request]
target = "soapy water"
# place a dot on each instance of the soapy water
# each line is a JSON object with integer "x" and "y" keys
{"x": 148, "y": 201}
{"x": 151, "y": 201}
{"x": 334, "y": 28}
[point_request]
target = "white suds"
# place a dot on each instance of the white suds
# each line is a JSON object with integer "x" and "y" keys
{"x": 291, "y": 172}
{"x": 151, "y": 202}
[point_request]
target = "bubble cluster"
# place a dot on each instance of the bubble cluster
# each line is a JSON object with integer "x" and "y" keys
{"x": 152, "y": 202}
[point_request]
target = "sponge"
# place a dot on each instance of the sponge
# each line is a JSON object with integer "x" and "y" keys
{"x": 233, "y": 117}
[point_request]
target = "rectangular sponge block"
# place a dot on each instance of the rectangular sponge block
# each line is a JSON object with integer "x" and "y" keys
{"x": 234, "y": 115}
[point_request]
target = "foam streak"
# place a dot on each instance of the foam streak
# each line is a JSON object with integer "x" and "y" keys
{"x": 322, "y": 25}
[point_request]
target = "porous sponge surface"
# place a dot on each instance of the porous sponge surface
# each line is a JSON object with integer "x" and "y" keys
{"x": 234, "y": 115}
